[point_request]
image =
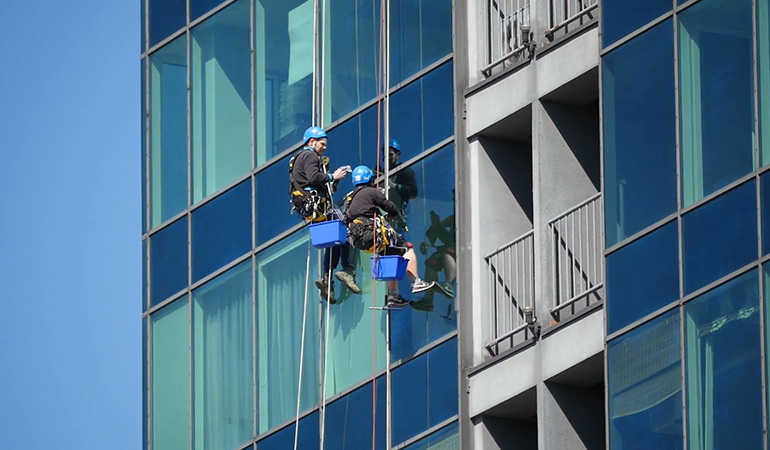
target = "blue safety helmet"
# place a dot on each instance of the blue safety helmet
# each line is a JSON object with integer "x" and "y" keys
{"x": 314, "y": 133}
{"x": 361, "y": 175}
{"x": 395, "y": 145}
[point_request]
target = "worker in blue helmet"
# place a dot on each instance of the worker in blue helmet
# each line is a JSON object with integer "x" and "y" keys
{"x": 402, "y": 185}
{"x": 371, "y": 232}
{"x": 311, "y": 186}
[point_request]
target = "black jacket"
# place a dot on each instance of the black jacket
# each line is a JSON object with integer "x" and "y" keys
{"x": 367, "y": 201}
{"x": 308, "y": 171}
{"x": 406, "y": 183}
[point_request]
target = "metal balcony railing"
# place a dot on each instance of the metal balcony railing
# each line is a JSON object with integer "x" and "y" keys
{"x": 578, "y": 263}
{"x": 562, "y": 13}
{"x": 508, "y": 32}
{"x": 511, "y": 277}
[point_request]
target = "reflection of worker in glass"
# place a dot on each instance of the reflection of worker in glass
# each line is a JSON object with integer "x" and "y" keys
{"x": 311, "y": 187}
{"x": 402, "y": 186}
{"x": 442, "y": 258}
{"x": 361, "y": 207}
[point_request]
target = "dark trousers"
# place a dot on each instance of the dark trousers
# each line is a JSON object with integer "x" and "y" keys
{"x": 337, "y": 254}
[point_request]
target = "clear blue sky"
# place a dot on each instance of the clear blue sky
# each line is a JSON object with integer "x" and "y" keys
{"x": 70, "y": 249}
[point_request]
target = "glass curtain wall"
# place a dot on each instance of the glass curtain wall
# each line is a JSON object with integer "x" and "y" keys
{"x": 228, "y": 99}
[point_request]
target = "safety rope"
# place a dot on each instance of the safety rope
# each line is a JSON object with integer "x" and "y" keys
{"x": 302, "y": 345}
{"x": 326, "y": 351}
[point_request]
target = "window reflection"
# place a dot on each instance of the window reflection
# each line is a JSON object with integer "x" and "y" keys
{"x": 273, "y": 213}
{"x": 722, "y": 360}
{"x": 283, "y": 65}
{"x": 308, "y": 436}
{"x": 349, "y": 419}
{"x": 221, "y": 100}
{"x": 645, "y": 386}
{"x": 763, "y": 61}
{"x": 166, "y": 17}
{"x": 716, "y": 95}
{"x": 621, "y": 17}
{"x": 168, "y": 261}
{"x": 352, "y": 43}
{"x": 280, "y": 280}
{"x": 168, "y": 131}
{"x": 421, "y": 34}
{"x": 447, "y": 438}
{"x": 639, "y": 143}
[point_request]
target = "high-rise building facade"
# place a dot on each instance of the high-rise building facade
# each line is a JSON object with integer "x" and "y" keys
{"x": 591, "y": 178}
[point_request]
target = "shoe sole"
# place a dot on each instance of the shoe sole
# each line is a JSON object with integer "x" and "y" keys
{"x": 352, "y": 286}
{"x": 323, "y": 289}
{"x": 448, "y": 294}
{"x": 423, "y": 289}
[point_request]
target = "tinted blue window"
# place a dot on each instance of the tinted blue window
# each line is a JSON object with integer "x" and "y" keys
{"x": 424, "y": 392}
{"x": 642, "y": 277}
{"x": 421, "y": 33}
{"x": 273, "y": 213}
{"x": 621, "y": 17}
{"x": 201, "y": 7}
{"x": 645, "y": 386}
{"x": 221, "y": 230}
{"x": 422, "y": 113}
{"x": 723, "y": 366}
{"x": 349, "y": 420}
{"x": 716, "y": 92}
{"x": 446, "y": 438}
{"x": 639, "y": 133}
{"x": 764, "y": 185}
{"x": 354, "y": 142}
{"x": 719, "y": 237}
{"x": 309, "y": 436}
{"x": 352, "y": 56}
{"x": 166, "y": 17}
{"x": 144, "y": 275}
{"x": 168, "y": 261}
{"x": 283, "y": 74}
{"x": 143, "y": 156}
{"x": 168, "y": 131}
{"x": 145, "y": 374}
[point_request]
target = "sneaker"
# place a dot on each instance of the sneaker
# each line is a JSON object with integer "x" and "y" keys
{"x": 421, "y": 285}
{"x": 323, "y": 285}
{"x": 349, "y": 280}
{"x": 426, "y": 304}
{"x": 446, "y": 289}
{"x": 395, "y": 300}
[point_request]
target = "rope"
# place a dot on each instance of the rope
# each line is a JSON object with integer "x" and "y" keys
{"x": 326, "y": 351}
{"x": 302, "y": 346}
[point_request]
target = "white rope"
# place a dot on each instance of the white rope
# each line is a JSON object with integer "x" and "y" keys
{"x": 302, "y": 346}
{"x": 326, "y": 350}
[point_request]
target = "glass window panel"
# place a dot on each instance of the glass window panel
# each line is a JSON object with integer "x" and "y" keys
{"x": 421, "y": 34}
{"x": 273, "y": 208}
{"x": 349, "y": 419}
{"x": 621, "y": 17}
{"x": 764, "y": 187}
{"x": 350, "y": 330}
{"x": 723, "y": 368}
{"x": 171, "y": 377}
{"x": 143, "y": 21}
{"x": 144, "y": 275}
{"x": 424, "y": 391}
{"x": 283, "y": 64}
{"x": 354, "y": 142}
{"x": 168, "y": 261}
{"x": 766, "y": 272}
{"x": 645, "y": 386}
{"x": 223, "y": 325}
{"x": 221, "y": 100}
{"x": 719, "y": 237}
{"x": 639, "y": 142}
{"x": 431, "y": 220}
{"x": 145, "y": 391}
{"x": 144, "y": 145}
{"x": 422, "y": 113}
{"x": 168, "y": 131}
{"x": 166, "y": 17}
{"x": 631, "y": 296}
{"x": 351, "y": 54}
{"x": 716, "y": 96}
{"x": 221, "y": 230}
{"x": 447, "y": 438}
{"x": 763, "y": 61}
{"x": 309, "y": 436}
{"x": 280, "y": 299}
{"x": 201, "y": 7}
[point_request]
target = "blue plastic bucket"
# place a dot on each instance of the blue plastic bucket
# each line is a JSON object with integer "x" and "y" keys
{"x": 388, "y": 268}
{"x": 330, "y": 233}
